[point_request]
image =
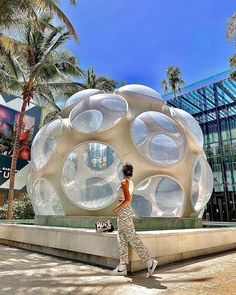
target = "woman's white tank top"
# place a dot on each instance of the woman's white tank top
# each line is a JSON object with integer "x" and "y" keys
{"x": 120, "y": 194}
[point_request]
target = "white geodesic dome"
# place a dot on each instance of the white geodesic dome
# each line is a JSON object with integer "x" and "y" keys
{"x": 77, "y": 159}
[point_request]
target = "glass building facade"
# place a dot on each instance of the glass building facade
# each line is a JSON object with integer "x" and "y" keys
{"x": 213, "y": 104}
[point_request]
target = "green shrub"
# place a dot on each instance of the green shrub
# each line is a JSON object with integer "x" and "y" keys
{"x": 3, "y": 211}
{"x": 21, "y": 209}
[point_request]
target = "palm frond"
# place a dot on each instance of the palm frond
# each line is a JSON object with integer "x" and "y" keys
{"x": 231, "y": 29}
{"x": 73, "y": 2}
{"x": 45, "y": 95}
{"x": 10, "y": 44}
{"x": 49, "y": 72}
{"x": 9, "y": 83}
{"x": 232, "y": 61}
{"x": 51, "y": 6}
{"x": 233, "y": 75}
{"x": 62, "y": 87}
{"x": 10, "y": 10}
{"x": 58, "y": 42}
{"x": 98, "y": 82}
{"x": 164, "y": 85}
{"x": 174, "y": 80}
{"x": 11, "y": 65}
{"x": 59, "y": 65}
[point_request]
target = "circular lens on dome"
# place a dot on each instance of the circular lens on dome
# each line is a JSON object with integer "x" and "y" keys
{"x": 158, "y": 196}
{"x": 197, "y": 173}
{"x": 95, "y": 175}
{"x": 88, "y": 121}
{"x": 140, "y": 91}
{"x": 158, "y": 138}
{"x": 45, "y": 142}
{"x": 98, "y": 156}
{"x": 169, "y": 197}
{"x": 202, "y": 184}
{"x": 98, "y": 113}
{"x": 29, "y": 184}
{"x": 163, "y": 149}
{"x": 139, "y": 131}
{"x": 81, "y": 95}
{"x": 192, "y": 125}
{"x": 141, "y": 206}
{"x": 69, "y": 168}
{"x": 164, "y": 122}
{"x": 45, "y": 201}
{"x": 118, "y": 105}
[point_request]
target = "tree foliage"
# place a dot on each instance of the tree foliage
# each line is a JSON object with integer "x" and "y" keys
{"x": 42, "y": 71}
{"x": 231, "y": 28}
{"x": 231, "y": 35}
{"x": 51, "y": 70}
{"x": 15, "y": 13}
{"x": 21, "y": 209}
{"x": 92, "y": 80}
{"x": 174, "y": 81}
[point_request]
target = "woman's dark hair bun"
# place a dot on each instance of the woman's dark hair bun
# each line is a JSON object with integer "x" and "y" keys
{"x": 128, "y": 169}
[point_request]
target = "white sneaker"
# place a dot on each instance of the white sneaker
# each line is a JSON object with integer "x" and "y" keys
{"x": 120, "y": 270}
{"x": 151, "y": 265}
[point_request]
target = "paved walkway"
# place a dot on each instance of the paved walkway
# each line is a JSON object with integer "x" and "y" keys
{"x": 26, "y": 273}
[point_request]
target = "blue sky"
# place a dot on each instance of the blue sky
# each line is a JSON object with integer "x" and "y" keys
{"x": 136, "y": 40}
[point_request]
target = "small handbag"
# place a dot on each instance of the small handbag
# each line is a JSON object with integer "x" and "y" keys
{"x": 104, "y": 226}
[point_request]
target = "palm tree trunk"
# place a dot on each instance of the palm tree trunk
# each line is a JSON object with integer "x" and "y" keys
{"x": 175, "y": 95}
{"x": 14, "y": 159}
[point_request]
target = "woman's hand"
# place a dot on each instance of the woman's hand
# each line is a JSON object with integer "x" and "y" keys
{"x": 114, "y": 211}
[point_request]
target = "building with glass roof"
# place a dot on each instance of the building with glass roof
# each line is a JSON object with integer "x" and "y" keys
{"x": 213, "y": 104}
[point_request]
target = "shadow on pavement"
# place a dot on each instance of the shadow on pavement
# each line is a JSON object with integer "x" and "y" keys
{"x": 149, "y": 283}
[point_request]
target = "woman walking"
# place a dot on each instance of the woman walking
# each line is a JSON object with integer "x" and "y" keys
{"x": 126, "y": 230}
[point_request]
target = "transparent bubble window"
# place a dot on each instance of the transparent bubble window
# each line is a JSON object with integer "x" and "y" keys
{"x": 45, "y": 142}
{"x": 29, "y": 184}
{"x": 89, "y": 121}
{"x": 165, "y": 201}
{"x": 139, "y": 131}
{"x": 98, "y": 156}
{"x": 192, "y": 125}
{"x": 164, "y": 121}
{"x": 140, "y": 90}
{"x": 158, "y": 196}
{"x": 81, "y": 95}
{"x": 158, "y": 138}
{"x": 167, "y": 145}
{"x": 45, "y": 201}
{"x": 141, "y": 206}
{"x": 98, "y": 113}
{"x": 114, "y": 105}
{"x": 202, "y": 184}
{"x": 95, "y": 175}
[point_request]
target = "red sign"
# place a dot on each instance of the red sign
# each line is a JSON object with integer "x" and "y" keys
{"x": 8, "y": 122}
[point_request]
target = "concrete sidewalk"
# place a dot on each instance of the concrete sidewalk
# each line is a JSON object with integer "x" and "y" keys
{"x": 25, "y": 273}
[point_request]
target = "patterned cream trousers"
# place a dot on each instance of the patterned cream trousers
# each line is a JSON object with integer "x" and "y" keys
{"x": 127, "y": 234}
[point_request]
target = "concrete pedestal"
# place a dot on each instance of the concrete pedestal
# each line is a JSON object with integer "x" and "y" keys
{"x": 101, "y": 248}
{"x": 141, "y": 223}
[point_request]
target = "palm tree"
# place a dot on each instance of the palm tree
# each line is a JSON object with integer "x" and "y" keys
{"x": 41, "y": 72}
{"x": 231, "y": 34}
{"x": 231, "y": 29}
{"x": 174, "y": 81}
{"x": 164, "y": 85}
{"x": 98, "y": 82}
{"x": 232, "y": 62}
{"x": 13, "y": 13}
